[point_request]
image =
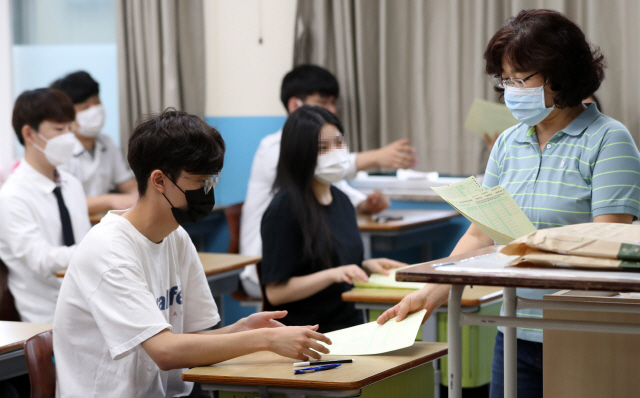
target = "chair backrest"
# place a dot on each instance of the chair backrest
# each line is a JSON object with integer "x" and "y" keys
{"x": 42, "y": 372}
{"x": 233, "y": 213}
{"x": 266, "y": 305}
{"x": 8, "y": 311}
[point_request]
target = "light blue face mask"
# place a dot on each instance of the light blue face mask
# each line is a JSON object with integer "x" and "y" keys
{"x": 527, "y": 104}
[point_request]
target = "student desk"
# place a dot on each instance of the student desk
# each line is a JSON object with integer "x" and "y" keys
{"x": 12, "y": 338}
{"x": 511, "y": 278}
{"x": 222, "y": 271}
{"x": 479, "y": 344}
{"x": 394, "y": 374}
{"x": 416, "y": 228}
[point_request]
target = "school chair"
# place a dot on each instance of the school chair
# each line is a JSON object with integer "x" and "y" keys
{"x": 42, "y": 372}
{"x": 8, "y": 311}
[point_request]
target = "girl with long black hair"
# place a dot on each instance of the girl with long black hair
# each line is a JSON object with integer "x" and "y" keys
{"x": 312, "y": 250}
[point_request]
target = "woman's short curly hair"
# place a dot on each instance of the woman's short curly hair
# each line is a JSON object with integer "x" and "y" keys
{"x": 545, "y": 41}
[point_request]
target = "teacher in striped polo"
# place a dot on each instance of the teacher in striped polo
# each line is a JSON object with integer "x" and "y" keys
{"x": 565, "y": 163}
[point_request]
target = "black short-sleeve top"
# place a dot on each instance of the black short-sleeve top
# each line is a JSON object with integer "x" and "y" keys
{"x": 282, "y": 246}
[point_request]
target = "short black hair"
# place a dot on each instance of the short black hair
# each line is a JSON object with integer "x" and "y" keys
{"x": 35, "y": 106}
{"x": 79, "y": 86}
{"x": 174, "y": 141}
{"x": 547, "y": 42}
{"x": 306, "y": 80}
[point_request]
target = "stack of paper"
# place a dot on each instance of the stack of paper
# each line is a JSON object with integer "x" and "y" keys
{"x": 589, "y": 245}
{"x": 488, "y": 117}
{"x": 494, "y": 211}
{"x": 379, "y": 281}
{"x": 371, "y": 338}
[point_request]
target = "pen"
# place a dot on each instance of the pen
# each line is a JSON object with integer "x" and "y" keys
{"x": 316, "y": 369}
{"x": 441, "y": 264}
{"x": 322, "y": 362}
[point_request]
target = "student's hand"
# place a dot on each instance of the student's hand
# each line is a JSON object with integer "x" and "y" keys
{"x": 375, "y": 203}
{"x": 123, "y": 201}
{"x": 381, "y": 265}
{"x": 298, "y": 342}
{"x": 349, "y": 273}
{"x": 490, "y": 141}
{"x": 265, "y": 319}
{"x": 397, "y": 155}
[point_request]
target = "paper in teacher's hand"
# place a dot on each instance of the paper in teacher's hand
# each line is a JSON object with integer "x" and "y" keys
{"x": 489, "y": 117}
{"x": 371, "y": 338}
{"x": 379, "y": 281}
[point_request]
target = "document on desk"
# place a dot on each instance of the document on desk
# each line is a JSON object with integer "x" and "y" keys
{"x": 371, "y": 338}
{"x": 493, "y": 211}
{"x": 379, "y": 281}
{"x": 488, "y": 117}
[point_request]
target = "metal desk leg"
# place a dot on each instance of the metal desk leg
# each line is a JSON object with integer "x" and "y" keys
{"x": 510, "y": 346}
{"x": 366, "y": 243}
{"x": 455, "y": 341}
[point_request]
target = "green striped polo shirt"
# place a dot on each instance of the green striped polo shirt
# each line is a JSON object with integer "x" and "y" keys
{"x": 590, "y": 168}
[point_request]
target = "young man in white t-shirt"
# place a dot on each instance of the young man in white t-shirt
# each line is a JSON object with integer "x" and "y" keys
{"x": 43, "y": 213}
{"x": 307, "y": 85}
{"x": 135, "y": 300}
{"x": 108, "y": 183}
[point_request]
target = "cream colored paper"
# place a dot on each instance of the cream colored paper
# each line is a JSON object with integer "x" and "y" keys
{"x": 488, "y": 117}
{"x": 379, "y": 281}
{"x": 494, "y": 211}
{"x": 371, "y": 338}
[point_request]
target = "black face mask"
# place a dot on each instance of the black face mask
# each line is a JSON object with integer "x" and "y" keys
{"x": 199, "y": 205}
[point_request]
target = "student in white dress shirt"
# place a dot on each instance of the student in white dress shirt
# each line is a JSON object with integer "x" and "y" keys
{"x": 135, "y": 302}
{"x": 107, "y": 180}
{"x": 43, "y": 212}
{"x": 307, "y": 85}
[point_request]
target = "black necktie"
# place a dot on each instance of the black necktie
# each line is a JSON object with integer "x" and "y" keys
{"x": 67, "y": 230}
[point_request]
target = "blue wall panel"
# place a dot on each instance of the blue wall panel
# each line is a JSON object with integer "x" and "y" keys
{"x": 242, "y": 134}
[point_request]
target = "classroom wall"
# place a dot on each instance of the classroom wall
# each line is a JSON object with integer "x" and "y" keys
{"x": 6, "y": 101}
{"x": 243, "y": 79}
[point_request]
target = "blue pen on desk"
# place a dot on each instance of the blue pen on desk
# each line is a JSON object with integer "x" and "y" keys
{"x": 315, "y": 369}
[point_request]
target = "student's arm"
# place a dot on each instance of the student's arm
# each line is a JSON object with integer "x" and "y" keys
{"x": 397, "y": 155}
{"x": 111, "y": 201}
{"x": 433, "y": 295}
{"x": 130, "y": 186}
{"x": 301, "y": 287}
{"x": 176, "y": 351}
{"x": 614, "y": 218}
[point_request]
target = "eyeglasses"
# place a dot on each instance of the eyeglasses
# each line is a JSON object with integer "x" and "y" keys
{"x": 332, "y": 143}
{"x": 498, "y": 81}
{"x": 208, "y": 182}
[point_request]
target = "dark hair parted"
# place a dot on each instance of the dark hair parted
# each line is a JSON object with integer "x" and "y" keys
{"x": 174, "y": 141}
{"x": 545, "y": 41}
{"x": 79, "y": 86}
{"x": 295, "y": 173}
{"x": 35, "y": 106}
{"x": 305, "y": 80}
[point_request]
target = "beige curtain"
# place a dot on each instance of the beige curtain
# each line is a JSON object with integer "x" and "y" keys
{"x": 160, "y": 58}
{"x": 411, "y": 68}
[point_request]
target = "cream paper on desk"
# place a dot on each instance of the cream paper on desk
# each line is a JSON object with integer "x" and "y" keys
{"x": 371, "y": 338}
{"x": 379, "y": 281}
{"x": 488, "y": 117}
{"x": 493, "y": 211}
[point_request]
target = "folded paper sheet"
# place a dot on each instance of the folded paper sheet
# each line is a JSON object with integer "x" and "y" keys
{"x": 488, "y": 117}
{"x": 379, "y": 281}
{"x": 493, "y": 211}
{"x": 371, "y": 338}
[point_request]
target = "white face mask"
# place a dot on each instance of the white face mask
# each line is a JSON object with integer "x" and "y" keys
{"x": 332, "y": 166}
{"x": 59, "y": 149}
{"x": 91, "y": 120}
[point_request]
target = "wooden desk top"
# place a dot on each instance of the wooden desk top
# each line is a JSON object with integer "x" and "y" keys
{"x": 215, "y": 263}
{"x": 410, "y": 218}
{"x": 472, "y": 296}
{"x": 14, "y": 334}
{"x": 271, "y": 370}
{"x": 533, "y": 277}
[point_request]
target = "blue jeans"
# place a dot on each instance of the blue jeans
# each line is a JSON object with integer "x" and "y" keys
{"x": 529, "y": 369}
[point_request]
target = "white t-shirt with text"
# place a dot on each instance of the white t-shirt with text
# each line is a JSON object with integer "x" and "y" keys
{"x": 120, "y": 290}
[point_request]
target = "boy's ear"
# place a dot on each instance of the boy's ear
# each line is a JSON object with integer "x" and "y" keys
{"x": 293, "y": 104}
{"x": 157, "y": 181}
{"x": 28, "y": 134}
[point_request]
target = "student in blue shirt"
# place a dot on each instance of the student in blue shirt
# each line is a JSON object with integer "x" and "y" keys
{"x": 565, "y": 163}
